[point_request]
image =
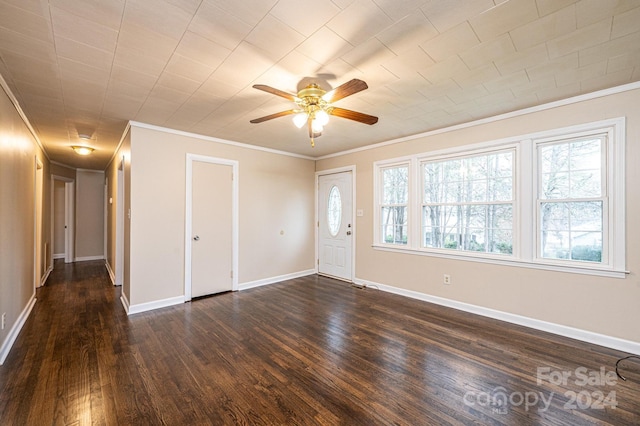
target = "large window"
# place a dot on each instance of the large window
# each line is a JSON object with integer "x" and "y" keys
{"x": 572, "y": 199}
{"x": 393, "y": 209}
{"x": 550, "y": 200}
{"x": 467, "y": 203}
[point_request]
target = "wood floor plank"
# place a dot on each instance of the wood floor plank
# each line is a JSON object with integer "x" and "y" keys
{"x": 308, "y": 351}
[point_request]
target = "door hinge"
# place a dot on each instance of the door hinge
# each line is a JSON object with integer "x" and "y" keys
{"x": 318, "y": 262}
{"x": 231, "y": 274}
{"x": 318, "y": 224}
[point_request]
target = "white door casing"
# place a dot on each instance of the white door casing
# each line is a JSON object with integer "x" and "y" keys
{"x": 211, "y": 231}
{"x": 335, "y": 225}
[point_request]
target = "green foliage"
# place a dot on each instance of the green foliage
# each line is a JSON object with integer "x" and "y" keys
{"x": 587, "y": 253}
{"x": 504, "y": 248}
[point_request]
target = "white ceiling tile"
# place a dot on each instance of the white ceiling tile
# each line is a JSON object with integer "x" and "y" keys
{"x": 477, "y": 76}
{"x": 71, "y": 70}
{"x": 219, "y": 26}
{"x": 580, "y": 74}
{"x": 151, "y": 43}
{"x": 139, "y": 60}
{"x": 444, "y": 70}
{"x": 200, "y": 49}
{"x": 250, "y": 12}
{"x": 626, "y": 23}
{"x": 26, "y": 23}
{"x": 605, "y": 81}
{"x": 37, "y": 7}
{"x": 488, "y": 51}
{"x": 159, "y": 16}
{"x": 591, "y": 11}
{"x": 178, "y": 82}
{"x": 544, "y": 29}
{"x": 581, "y": 39}
{"x": 70, "y": 26}
{"x": 516, "y": 79}
{"x": 296, "y": 13}
{"x": 368, "y": 54}
{"x": 88, "y": 55}
{"x": 503, "y": 18}
{"x": 406, "y": 64}
{"x": 553, "y": 66}
{"x": 610, "y": 49}
{"x": 187, "y": 68}
{"x": 546, "y": 7}
{"x": 408, "y": 33}
{"x": 520, "y": 60}
{"x": 359, "y": 22}
{"x": 445, "y": 15}
{"x": 11, "y": 41}
{"x": 324, "y": 46}
{"x": 107, "y": 13}
{"x": 451, "y": 42}
{"x": 274, "y": 38}
{"x": 243, "y": 66}
{"x": 398, "y": 10}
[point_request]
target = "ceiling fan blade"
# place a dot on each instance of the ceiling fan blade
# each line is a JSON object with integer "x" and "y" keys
{"x": 344, "y": 90}
{"x": 275, "y": 91}
{"x": 272, "y": 116}
{"x": 353, "y": 115}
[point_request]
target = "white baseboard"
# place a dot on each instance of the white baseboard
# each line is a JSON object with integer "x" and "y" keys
{"x": 156, "y": 304}
{"x": 46, "y": 275}
{"x": 272, "y": 280}
{"x": 15, "y": 330}
{"x": 59, "y": 256}
{"x": 562, "y": 330}
{"x": 110, "y": 271}
{"x": 86, "y": 258}
{"x": 125, "y": 302}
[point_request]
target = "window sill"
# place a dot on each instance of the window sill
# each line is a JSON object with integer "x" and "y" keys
{"x": 501, "y": 260}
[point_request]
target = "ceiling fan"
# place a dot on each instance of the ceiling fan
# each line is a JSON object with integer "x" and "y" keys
{"x": 314, "y": 106}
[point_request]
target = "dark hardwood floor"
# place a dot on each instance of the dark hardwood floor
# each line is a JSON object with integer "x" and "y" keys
{"x": 306, "y": 351}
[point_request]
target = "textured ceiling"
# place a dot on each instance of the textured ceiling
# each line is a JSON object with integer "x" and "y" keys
{"x": 89, "y": 66}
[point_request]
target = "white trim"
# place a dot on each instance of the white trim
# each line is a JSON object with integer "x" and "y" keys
{"x": 218, "y": 140}
{"x": 352, "y": 169}
{"x": 15, "y": 330}
{"x": 150, "y": 306}
{"x": 530, "y": 110}
{"x": 273, "y": 280}
{"x": 86, "y": 258}
{"x": 46, "y": 275}
{"x": 561, "y": 330}
{"x": 112, "y": 276}
{"x": 58, "y": 256}
{"x": 125, "y": 302}
{"x": 190, "y": 158}
{"x": 495, "y": 260}
{"x": 118, "y": 277}
{"x": 115, "y": 151}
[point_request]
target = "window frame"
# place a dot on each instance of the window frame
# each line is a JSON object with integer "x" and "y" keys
{"x": 513, "y": 149}
{"x": 379, "y": 191}
{"x": 526, "y": 184}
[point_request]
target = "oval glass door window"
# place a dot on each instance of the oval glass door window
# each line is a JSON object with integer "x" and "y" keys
{"x": 334, "y": 211}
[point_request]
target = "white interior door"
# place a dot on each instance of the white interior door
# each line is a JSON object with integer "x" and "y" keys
{"x": 211, "y": 228}
{"x": 335, "y": 229}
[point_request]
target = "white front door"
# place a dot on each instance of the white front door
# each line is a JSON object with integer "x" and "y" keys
{"x": 335, "y": 229}
{"x": 211, "y": 228}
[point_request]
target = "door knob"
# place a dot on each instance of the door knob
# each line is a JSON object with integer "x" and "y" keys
{"x": 196, "y": 238}
{"x": 348, "y": 232}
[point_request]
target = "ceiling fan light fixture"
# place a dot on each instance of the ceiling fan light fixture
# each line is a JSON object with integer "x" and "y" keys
{"x": 316, "y": 126}
{"x": 82, "y": 150}
{"x": 300, "y": 119}
{"x": 322, "y": 117}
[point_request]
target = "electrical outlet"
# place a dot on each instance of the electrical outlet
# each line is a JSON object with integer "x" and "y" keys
{"x": 4, "y": 319}
{"x": 447, "y": 279}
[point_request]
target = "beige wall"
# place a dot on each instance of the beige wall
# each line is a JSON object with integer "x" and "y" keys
{"x": 89, "y": 217}
{"x": 275, "y": 194}
{"x": 18, "y": 150}
{"x": 607, "y": 306}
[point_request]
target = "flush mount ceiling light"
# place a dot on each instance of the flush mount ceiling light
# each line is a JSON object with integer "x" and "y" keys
{"x": 82, "y": 150}
{"x": 314, "y": 106}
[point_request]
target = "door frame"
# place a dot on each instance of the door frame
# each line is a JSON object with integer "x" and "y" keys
{"x": 354, "y": 225}
{"x": 119, "y": 240}
{"x": 69, "y": 216}
{"x": 188, "y": 218}
{"x": 38, "y": 205}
